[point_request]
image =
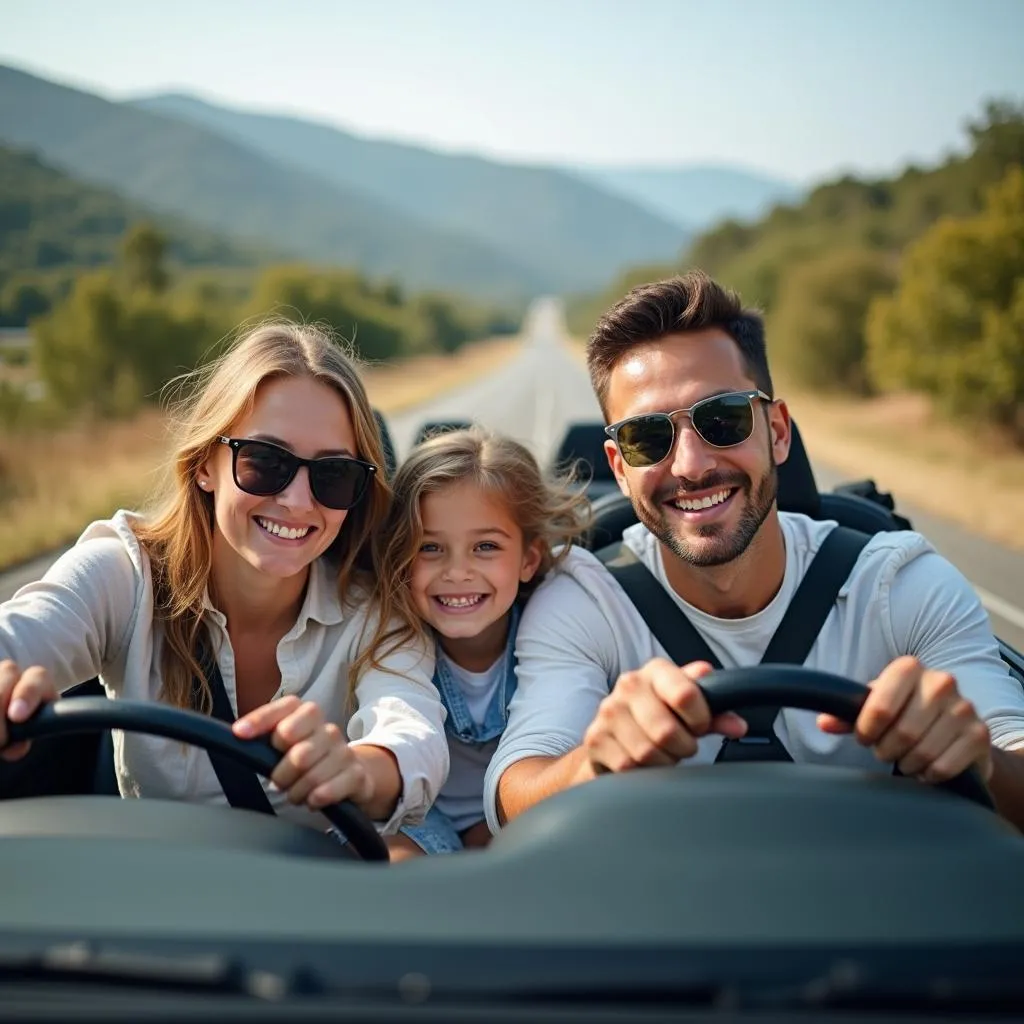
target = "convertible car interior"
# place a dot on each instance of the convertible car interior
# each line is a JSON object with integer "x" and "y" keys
{"x": 745, "y": 891}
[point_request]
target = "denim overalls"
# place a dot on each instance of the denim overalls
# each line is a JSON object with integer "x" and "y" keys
{"x": 437, "y": 834}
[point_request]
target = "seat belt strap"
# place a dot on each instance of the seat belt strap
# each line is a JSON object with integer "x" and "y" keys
{"x": 791, "y": 643}
{"x": 241, "y": 786}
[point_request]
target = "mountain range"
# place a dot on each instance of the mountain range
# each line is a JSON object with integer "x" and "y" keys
{"x": 317, "y": 193}
{"x": 696, "y": 197}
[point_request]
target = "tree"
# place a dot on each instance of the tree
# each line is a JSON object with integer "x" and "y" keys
{"x": 444, "y": 327}
{"x": 340, "y": 299}
{"x": 143, "y": 251}
{"x": 76, "y": 345}
{"x": 817, "y": 328}
{"x": 954, "y": 329}
{"x": 998, "y": 136}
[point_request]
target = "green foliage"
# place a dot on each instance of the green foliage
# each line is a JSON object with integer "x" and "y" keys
{"x": 955, "y": 327}
{"x": 108, "y": 350}
{"x": 817, "y": 267}
{"x": 13, "y": 413}
{"x": 442, "y": 324}
{"x": 122, "y": 333}
{"x": 379, "y": 319}
{"x": 339, "y": 298}
{"x": 52, "y": 226}
{"x": 143, "y": 254}
{"x": 817, "y": 329}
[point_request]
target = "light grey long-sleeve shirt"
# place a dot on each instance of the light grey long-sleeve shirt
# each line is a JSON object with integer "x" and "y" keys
{"x": 92, "y": 615}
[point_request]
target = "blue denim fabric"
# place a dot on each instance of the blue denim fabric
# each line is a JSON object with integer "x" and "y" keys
{"x": 435, "y": 835}
{"x": 459, "y": 723}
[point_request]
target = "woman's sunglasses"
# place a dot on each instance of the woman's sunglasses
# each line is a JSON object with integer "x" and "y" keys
{"x": 262, "y": 468}
{"x": 723, "y": 421}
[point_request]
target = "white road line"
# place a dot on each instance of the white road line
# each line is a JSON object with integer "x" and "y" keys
{"x": 997, "y": 606}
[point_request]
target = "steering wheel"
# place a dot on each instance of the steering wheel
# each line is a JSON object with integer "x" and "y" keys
{"x": 794, "y": 686}
{"x": 96, "y": 714}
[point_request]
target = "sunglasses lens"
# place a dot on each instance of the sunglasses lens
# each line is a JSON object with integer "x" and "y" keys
{"x": 645, "y": 440}
{"x": 339, "y": 483}
{"x": 262, "y": 468}
{"x": 724, "y": 421}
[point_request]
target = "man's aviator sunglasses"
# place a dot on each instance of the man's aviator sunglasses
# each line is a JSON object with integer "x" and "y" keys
{"x": 262, "y": 468}
{"x": 723, "y": 421}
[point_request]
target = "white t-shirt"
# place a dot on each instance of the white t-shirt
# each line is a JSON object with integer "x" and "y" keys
{"x": 580, "y": 631}
{"x": 92, "y": 614}
{"x": 462, "y": 796}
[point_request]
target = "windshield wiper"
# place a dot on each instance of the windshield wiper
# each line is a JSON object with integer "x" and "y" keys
{"x": 192, "y": 972}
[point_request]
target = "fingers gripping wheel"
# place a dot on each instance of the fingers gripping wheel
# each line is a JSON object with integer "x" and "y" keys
{"x": 96, "y": 714}
{"x": 793, "y": 686}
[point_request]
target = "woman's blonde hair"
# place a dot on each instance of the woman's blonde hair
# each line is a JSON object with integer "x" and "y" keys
{"x": 551, "y": 512}
{"x": 178, "y": 533}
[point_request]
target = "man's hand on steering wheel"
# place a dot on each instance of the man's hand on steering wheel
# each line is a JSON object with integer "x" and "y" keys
{"x": 654, "y": 716}
{"x": 916, "y": 718}
{"x": 21, "y": 693}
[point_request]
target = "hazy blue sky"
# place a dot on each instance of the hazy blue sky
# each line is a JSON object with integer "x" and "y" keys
{"x": 803, "y": 88}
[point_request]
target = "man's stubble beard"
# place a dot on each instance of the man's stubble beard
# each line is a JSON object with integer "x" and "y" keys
{"x": 759, "y": 502}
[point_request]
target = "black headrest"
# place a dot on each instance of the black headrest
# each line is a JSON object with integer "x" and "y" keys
{"x": 585, "y": 442}
{"x": 390, "y": 459}
{"x": 612, "y": 513}
{"x": 798, "y": 491}
{"x": 432, "y": 427}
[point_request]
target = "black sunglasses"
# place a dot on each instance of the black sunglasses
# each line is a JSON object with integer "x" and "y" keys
{"x": 723, "y": 421}
{"x": 262, "y": 468}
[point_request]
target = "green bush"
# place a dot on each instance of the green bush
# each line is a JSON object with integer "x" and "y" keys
{"x": 954, "y": 329}
{"x": 816, "y": 334}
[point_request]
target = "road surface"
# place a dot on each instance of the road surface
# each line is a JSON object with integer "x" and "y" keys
{"x": 545, "y": 388}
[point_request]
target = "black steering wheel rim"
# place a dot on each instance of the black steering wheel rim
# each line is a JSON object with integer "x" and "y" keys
{"x": 796, "y": 686}
{"x": 71, "y": 715}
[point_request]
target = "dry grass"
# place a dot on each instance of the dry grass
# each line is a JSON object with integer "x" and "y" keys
{"x": 974, "y": 479}
{"x": 395, "y": 387}
{"x": 64, "y": 480}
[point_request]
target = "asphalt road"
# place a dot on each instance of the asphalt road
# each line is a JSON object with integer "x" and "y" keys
{"x": 544, "y": 389}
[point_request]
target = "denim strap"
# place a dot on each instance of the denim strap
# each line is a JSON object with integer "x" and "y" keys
{"x": 459, "y": 721}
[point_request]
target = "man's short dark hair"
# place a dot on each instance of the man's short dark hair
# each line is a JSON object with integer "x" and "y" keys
{"x": 687, "y": 302}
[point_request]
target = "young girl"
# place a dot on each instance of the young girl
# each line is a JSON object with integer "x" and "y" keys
{"x": 261, "y": 559}
{"x": 473, "y": 528}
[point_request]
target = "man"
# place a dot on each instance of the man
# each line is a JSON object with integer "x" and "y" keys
{"x": 696, "y": 435}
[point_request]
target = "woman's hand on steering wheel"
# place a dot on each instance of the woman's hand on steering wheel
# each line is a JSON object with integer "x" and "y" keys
{"x": 21, "y": 693}
{"x": 318, "y": 767}
{"x": 916, "y": 718}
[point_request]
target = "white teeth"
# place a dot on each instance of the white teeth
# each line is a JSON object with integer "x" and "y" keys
{"x": 460, "y": 602}
{"x": 698, "y": 503}
{"x": 287, "y": 532}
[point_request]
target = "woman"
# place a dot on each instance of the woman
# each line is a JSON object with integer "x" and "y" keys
{"x": 256, "y": 571}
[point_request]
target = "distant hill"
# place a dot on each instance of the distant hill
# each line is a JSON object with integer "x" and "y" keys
{"x": 697, "y": 197}
{"x": 49, "y": 220}
{"x": 845, "y": 218}
{"x": 574, "y": 233}
{"x": 196, "y": 173}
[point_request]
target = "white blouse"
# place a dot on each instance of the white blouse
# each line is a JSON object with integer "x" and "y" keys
{"x": 92, "y": 615}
